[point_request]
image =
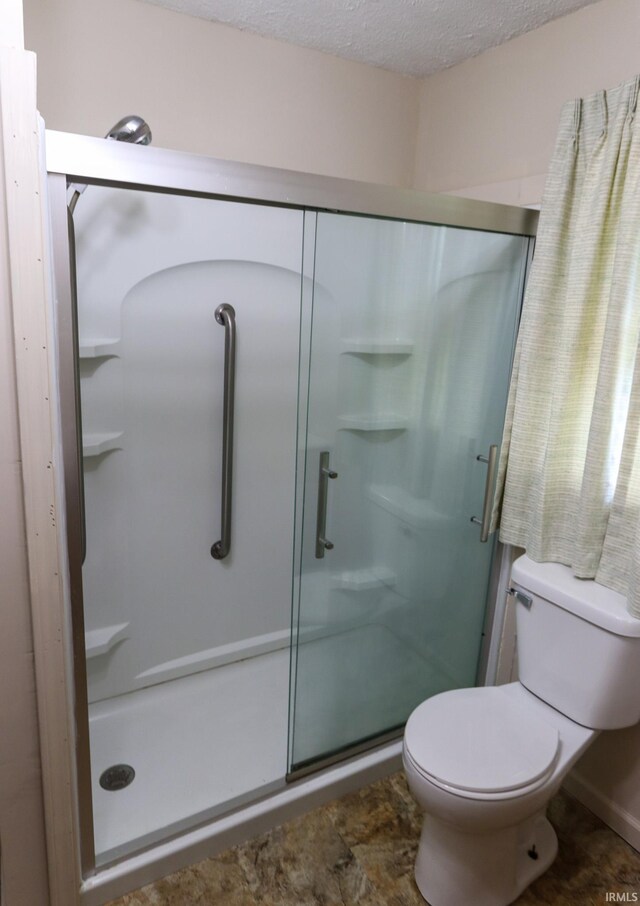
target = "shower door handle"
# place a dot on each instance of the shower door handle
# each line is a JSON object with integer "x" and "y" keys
{"x": 324, "y": 474}
{"x": 225, "y": 315}
{"x": 485, "y": 522}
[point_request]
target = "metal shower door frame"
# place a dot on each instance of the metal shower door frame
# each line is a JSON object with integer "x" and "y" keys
{"x": 82, "y": 159}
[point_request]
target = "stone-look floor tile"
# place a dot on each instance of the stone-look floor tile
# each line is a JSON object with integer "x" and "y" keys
{"x": 222, "y": 880}
{"x": 390, "y": 872}
{"x": 360, "y": 851}
{"x": 613, "y": 866}
{"x": 382, "y": 826}
{"x": 139, "y": 898}
{"x": 377, "y": 814}
{"x": 304, "y": 862}
{"x": 175, "y": 890}
{"x": 210, "y": 882}
{"x": 570, "y": 817}
{"x": 398, "y": 783}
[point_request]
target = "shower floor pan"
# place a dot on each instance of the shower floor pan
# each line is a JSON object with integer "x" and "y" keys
{"x": 204, "y": 744}
{"x": 198, "y": 744}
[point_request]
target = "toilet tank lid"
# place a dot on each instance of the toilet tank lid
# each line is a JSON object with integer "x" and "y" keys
{"x": 584, "y": 597}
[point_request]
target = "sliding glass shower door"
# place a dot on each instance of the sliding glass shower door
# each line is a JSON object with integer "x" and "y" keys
{"x": 178, "y": 639}
{"x": 412, "y": 336}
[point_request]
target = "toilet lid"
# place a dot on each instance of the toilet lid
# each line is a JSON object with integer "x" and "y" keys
{"x": 480, "y": 740}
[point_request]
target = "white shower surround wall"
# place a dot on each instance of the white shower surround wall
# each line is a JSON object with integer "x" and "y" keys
{"x": 152, "y": 269}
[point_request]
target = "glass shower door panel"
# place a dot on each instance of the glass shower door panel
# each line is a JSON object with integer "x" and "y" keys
{"x": 412, "y": 340}
{"x": 177, "y": 641}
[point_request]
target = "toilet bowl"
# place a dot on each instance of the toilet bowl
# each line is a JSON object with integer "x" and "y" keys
{"x": 484, "y": 762}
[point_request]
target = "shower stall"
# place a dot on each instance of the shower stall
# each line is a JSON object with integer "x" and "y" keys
{"x": 280, "y": 402}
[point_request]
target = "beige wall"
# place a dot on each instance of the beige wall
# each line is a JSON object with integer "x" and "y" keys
{"x": 22, "y": 837}
{"x": 607, "y": 780}
{"x": 491, "y": 122}
{"x": 487, "y": 130}
{"x": 215, "y": 90}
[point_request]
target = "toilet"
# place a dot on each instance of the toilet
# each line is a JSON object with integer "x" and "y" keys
{"x": 484, "y": 762}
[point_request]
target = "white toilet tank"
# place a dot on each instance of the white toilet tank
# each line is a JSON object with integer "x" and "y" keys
{"x": 578, "y": 646}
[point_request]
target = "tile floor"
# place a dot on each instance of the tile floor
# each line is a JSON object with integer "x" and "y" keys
{"x": 360, "y": 850}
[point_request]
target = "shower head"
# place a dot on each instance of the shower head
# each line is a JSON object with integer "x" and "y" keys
{"x": 132, "y": 129}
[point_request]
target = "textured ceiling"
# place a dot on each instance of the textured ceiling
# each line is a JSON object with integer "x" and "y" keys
{"x": 414, "y": 37}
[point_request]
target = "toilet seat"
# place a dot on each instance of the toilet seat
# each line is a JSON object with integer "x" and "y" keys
{"x": 481, "y": 743}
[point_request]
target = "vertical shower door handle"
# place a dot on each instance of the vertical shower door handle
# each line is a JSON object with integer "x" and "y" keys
{"x": 485, "y": 522}
{"x": 225, "y": 315}
{"x": 324, "y": 474}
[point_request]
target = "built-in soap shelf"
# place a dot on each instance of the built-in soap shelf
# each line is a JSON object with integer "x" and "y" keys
{"x": 99, "y": 349}
{"x": 97, "y": 443}
{"x": 364, "y": 579}
{"x": 101, "y": 641}
{"x": 363, "y": 346}
{"x": 415, "y": 511}
{"x": 384, "y": 421}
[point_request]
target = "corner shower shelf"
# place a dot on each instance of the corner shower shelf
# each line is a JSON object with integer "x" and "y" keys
{"x": 415, "y": 511}
{"x": 386, "y": 421}
{"x": 100, "y": 641}
{"x": 99, "y": 349}
{"x": 365, "y": 579}
{"x": 358, "y": 346}
{"x": 97, "y": 444}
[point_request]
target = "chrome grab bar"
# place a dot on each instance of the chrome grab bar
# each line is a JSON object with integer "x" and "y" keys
{"x": 324, "y": 474}
{"x": 226, "y": 315}
{"x": 485, "y": 522}
{"x": 76, "y": 380}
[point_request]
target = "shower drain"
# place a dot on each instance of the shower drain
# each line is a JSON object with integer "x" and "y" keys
{"x": 117, "y": 777}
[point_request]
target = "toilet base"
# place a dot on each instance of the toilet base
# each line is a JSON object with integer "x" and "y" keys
{"x": 489, "y": 869}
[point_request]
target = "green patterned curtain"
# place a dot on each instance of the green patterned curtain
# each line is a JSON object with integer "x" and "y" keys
{"x": 568, "y": 485}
